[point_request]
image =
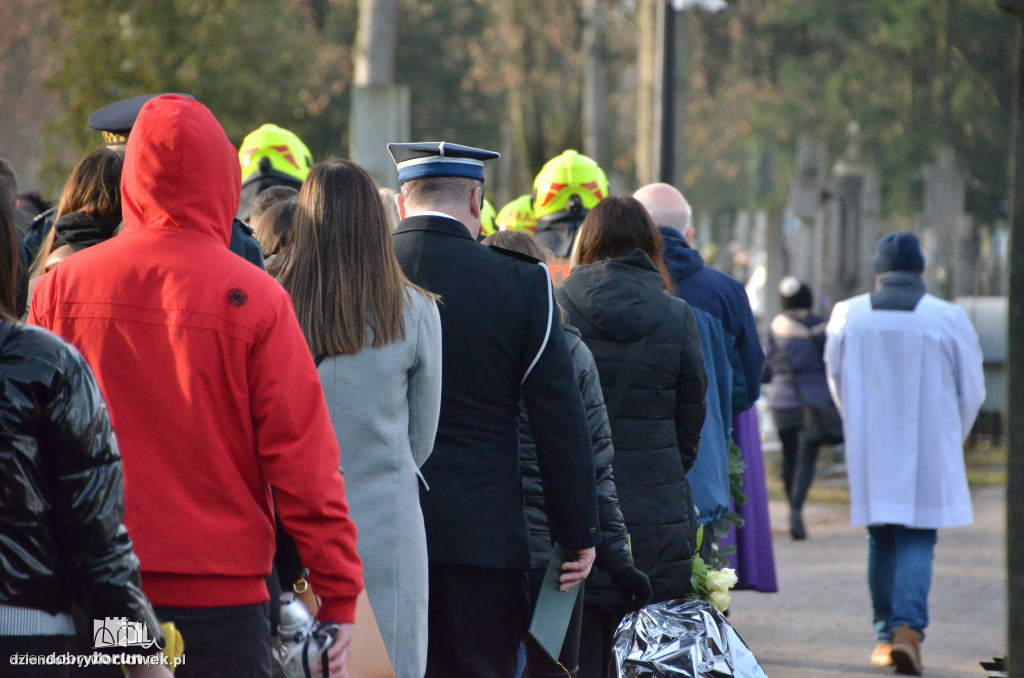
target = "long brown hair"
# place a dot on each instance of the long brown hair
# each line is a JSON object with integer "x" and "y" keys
{"x": 340, "y": 267}
{"x": 614, "y": 228}
{"x": 94, "y": 188}
{"x": 10, "y": 261}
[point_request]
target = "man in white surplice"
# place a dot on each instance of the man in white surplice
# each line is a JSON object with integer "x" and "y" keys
{"x": 905, "y": 369}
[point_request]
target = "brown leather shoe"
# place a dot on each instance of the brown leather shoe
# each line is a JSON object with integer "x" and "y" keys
{"x": 906, "y": 651}
{"x": 882, "y": 656}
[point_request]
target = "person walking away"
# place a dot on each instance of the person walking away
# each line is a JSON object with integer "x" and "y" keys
{"x": 905, "y": 370}
{"x": 647, "y": 349}
{"x": 61, "y": 532}
{"x": 613, "y": 553}
{"x": 379, "y": 340}
{"x": 794, "y": 370}
{"x": 188, "y": 341}
{"x": 501, "y": 345}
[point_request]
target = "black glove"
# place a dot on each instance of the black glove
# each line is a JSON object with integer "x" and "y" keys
{"x": 633, "y": 586}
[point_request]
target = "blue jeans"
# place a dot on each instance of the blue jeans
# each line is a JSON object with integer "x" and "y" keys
{"x": 900, "y": 576}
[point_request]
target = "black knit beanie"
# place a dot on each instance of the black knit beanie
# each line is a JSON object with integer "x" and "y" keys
{"x": 899, "y": 251}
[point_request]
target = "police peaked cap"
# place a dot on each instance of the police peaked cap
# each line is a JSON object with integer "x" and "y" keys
{"x": 439, "y": 159}
{"x": 116, "y": 120}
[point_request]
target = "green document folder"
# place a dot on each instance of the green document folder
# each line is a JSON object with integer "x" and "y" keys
{"x": 553, "y": 612}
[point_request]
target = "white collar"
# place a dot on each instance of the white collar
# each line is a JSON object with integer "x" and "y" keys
{"x": 432, "y": 213}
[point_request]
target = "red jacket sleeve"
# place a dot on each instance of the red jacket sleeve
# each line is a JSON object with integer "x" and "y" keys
{"x": 300, "y": 457}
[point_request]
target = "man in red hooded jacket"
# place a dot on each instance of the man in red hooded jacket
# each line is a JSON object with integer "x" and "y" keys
{"x": 214, "y": 398}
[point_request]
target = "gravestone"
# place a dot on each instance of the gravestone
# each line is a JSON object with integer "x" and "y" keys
{"x": 943, "y": 218}
{"x": 853, "y": 227}
{"x": 803, "y": 233}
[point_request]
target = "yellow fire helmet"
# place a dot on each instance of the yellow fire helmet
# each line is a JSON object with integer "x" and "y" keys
{"x": 487, "y": 226}
{"x": 569, "y": 182}
{"x": 283, "y": 150}
{"x": 517, "y": 215}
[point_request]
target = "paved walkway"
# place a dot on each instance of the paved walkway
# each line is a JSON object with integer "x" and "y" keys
{"x": 819, "y": 623}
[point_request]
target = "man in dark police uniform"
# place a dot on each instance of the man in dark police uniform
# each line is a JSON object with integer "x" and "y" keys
{"x": 501, "y": 342}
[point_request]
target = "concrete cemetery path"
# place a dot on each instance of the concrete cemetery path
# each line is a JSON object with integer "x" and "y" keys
{"x": 819, "y": 623}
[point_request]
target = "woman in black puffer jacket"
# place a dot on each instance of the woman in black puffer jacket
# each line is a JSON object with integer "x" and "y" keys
{"x": 613, "y": 554}
{"x": 618, "y": 297}
{"x": 61, "y": 497}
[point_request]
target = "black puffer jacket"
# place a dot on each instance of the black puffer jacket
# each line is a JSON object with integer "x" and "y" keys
{"x": 61, "y": 493}
{"x": 657, "y": 432}
{"x": 613, "y": 551}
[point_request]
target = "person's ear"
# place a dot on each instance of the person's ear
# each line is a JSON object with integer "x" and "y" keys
{"x": 400, "y": 203}
{"x": 476, "y": 201}
{"x": 690, "y": 235}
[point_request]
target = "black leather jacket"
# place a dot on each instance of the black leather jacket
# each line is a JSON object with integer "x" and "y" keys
{"x": 61, "y": 493}
{"x": 613, "y": 552}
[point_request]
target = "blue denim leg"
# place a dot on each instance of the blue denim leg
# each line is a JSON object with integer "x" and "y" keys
{"x": 915, "y": 550}
{"x": 881, "y": 578}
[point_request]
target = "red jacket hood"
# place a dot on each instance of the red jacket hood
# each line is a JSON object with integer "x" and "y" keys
{"x": 180, "y": 170}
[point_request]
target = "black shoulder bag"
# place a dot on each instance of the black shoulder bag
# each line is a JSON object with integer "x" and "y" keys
{"x": 821, "y": 423}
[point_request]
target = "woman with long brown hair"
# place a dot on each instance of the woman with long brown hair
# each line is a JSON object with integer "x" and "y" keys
{"x": 647, "y": 348}
{"x": 378, "y": 339}
{"x": 89, "y": 211}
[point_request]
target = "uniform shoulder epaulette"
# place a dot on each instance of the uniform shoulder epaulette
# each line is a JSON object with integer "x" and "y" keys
{"x": 246, "y": 228}
{"x": 515, "y": 255}
{"x": 41, "y": 217}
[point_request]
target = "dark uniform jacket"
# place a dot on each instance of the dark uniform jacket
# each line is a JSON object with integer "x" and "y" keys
{"x": 613, "y": 552}
{"x": 501, "y": 341}
{"x": 657, "y": 431}
{"x": 61, "y": 493}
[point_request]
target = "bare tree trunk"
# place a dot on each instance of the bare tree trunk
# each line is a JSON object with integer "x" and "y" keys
{"x": 650, "y": 18}
{"x": 374, "y": 53}
{"x": 594, "y": 74}
{"x": 1015, "y": 375}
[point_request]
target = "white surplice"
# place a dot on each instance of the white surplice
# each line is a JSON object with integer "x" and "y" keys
{"x": 909, "y": 385}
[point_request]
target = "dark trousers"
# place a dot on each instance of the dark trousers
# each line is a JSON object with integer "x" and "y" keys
{"x": 34, "y": 646}
{"x": 599, "y": 624}
{"x": 222, "y": 642}
{"x": 477, "y": 617}
{"x": 538, "y": 663}
{"x": 799, "y": 457}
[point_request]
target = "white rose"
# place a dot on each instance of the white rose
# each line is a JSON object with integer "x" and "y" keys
{"x": 720, "y": 600}
{"x": 721, "y": 580}
{"x": 716, "y": 582}
{"x": 730, "y": 577}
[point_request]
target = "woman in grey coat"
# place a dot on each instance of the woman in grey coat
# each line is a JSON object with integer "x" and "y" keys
{"x": 377, "y": 339}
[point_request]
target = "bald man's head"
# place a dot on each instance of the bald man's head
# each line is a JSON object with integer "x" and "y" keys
{"x": 667, "y": 207}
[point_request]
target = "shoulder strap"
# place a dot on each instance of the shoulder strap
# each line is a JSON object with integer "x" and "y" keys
{"x": 547, "y": 330}
{"x": 785, "y": 361}
{"x": 618, "y": 393}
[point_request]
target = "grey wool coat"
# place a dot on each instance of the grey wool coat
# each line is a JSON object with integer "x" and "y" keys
{"x": 384, "y": 404}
